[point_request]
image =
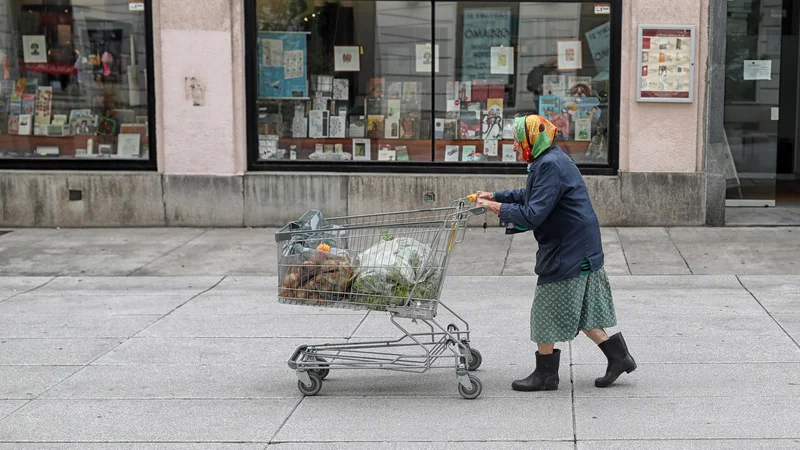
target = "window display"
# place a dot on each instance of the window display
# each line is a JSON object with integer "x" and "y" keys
{"x": 74, "y": 80}
{"x": 383, "y": 81}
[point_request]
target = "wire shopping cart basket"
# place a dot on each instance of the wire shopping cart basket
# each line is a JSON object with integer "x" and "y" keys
{"x": 392, "y": 262}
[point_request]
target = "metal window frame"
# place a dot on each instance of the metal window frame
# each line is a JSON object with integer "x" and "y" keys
{"x": 108, "y": 164}
{"x": 251, "y": 94}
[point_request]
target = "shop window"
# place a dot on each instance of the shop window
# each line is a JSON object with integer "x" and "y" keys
{"x": 74, "y": 87}
{"x": 382, "y": 85}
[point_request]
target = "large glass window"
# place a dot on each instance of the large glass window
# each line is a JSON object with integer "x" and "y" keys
{"x": 75, "y": 83}
{"x": 351, "y": 84}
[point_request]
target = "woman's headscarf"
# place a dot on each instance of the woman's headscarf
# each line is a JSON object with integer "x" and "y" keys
{"x": 534, "y": 134}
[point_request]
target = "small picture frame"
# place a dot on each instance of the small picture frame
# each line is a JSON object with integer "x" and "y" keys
{"x": 361, "y": 150}
{"x": 570, "y": 55}
{"x": 105, "y": 150}
{"x": 75, "y": 113}
{"x": 84, "y": 126}
{"x": 129, "y": 145}
{"x": 347, "y": 58}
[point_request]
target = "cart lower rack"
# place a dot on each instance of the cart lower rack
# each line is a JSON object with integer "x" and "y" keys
{"x": 390, "y": 262}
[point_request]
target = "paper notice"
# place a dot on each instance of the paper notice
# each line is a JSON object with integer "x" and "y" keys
{"x": 757, "y": 70}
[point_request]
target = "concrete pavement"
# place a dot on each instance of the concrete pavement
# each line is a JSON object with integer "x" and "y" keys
{"x": 172, "y": 339}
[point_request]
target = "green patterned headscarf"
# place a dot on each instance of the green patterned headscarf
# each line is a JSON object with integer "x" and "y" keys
{"x": 533, "y": 135}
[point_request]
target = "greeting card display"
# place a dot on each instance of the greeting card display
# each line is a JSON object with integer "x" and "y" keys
{"x": 451, "y": 153}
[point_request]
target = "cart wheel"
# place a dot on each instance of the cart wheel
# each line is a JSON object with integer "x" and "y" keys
{"x": 323, "y": 373}
{"x": 452, "y": 328}
{"x": 471, "y": 394}
{"x": 475, "y": 360}
{"x": 316, "y": 385}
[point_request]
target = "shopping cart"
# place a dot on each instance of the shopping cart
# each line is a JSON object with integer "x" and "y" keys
{"x": 392, "y": 262}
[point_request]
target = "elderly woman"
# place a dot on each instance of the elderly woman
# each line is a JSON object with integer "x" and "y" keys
{"x": 573, "y": 293}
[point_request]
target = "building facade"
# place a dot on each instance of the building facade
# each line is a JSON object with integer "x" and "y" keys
{"x": 249, "y": 112}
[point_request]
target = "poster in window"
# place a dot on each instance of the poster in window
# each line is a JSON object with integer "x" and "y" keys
{"x": 666, "y": 63}
{"x": 570, "y": 55}
{"x": 282, "y": 65}
{"x": 599, "y": 41}
{"x": 34, "y": 49}
{"x": 483, "y": 29}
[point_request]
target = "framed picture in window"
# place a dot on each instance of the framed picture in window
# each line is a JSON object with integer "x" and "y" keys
{"x": 361, "y": 150}
{"x": 570, "y": 55}
{"x": 346, "y": 58}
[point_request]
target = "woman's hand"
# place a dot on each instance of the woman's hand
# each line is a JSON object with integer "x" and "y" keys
{"x": 484, "y": 195}
{"x": 490, "y": 205}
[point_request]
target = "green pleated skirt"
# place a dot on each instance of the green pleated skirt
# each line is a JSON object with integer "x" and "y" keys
{"x": 564, "y": 308}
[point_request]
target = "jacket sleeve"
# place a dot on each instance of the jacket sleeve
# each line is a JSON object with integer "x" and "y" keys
{"x": 515, "y": 196}
{"x": 547, "y": 190}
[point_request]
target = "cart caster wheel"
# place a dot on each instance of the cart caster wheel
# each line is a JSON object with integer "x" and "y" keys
{"x": 323, "y": 373}
{"x": 475, "y": 360}
{"x": 471, "y": 394}
{"x": 316, "y": 385}
{"x": 452, "y": 328}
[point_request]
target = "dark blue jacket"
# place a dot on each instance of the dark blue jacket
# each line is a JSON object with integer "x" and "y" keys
{"x": 556, "y": 206}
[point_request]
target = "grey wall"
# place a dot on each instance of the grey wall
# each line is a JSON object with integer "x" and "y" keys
{"x": 715, "y": 143}
{"x": 113, "y": 199}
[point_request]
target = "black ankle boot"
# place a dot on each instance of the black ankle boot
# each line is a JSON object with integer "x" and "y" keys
{"x": 545, "y": 377}
{"x": 619, "y": 360}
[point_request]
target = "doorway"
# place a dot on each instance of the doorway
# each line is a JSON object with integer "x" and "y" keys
{"x": 762, "y": 103}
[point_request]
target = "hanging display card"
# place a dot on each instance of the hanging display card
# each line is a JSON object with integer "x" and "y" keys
{"x": 666, "y": 63}
{"x": 282, "y": 65}
{"x": 483, "y": 29}
{"x": 570, "y": 55}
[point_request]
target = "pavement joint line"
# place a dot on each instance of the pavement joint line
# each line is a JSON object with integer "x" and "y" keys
{"x": 796, "y": 343}
{"x": 671, "y": 239}
{"x": 288, "y": 416}
{"x": 202, "y": 232}
{"x": 572, "y": 398}
{"x": 508, "y": 253}
{"x": 624, "y": 255}
{"x": 179, "y": 306}
{"x": 30, "y": 290}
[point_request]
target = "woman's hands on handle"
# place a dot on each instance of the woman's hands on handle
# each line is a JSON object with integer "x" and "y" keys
{"x": 490, "y": 205}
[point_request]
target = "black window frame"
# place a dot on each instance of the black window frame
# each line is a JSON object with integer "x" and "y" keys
{"x": 107, "y": 164}
{"x": 429, "y": 167}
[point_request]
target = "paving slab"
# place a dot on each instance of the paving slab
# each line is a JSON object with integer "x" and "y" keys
{"x": 679, "y": 284}
{"x": 316, "y": 326}
{"x": 205, "y": 351}
{"x": 687, "y": 418}
{"x": 732, "y": 348}
{"x": 333, "y": 446}
{"x": 178, "y": 382}
{"x": 651, "y": 251}
{"x": 111, "y": 305}
{"x": 661, "y": 323}
{"x": 87, "y": 251}
{"x": 13, "y": 286}
{"x": 694, "y": 380}
{"x": 432, "y": 419}
{"x": 232, "y": 251}
{"x": 109, "y": 286}
{"x": 494, "y": 445}
{"x": 9, "y": 406}
{"x": 131, "y": 446}
{"x": 751, "y": 251}
{"x": 510, "y": 325}
{"x": 53, "y": 326}
{"x": 704, "y": 444}
{"x": 665, "y": 302}
{"x": 146, "y": 420}
{"x": 28, "y": 382}
{"x": 790, "y": 323}
{"x": 522, "y": 254}
{"x": 53, "y": 351}
{"x": 481, "y": 254}
{"x": 771, "y": 284}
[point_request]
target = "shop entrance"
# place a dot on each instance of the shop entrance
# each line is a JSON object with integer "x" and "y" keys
{"x": 762, "y": 103}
